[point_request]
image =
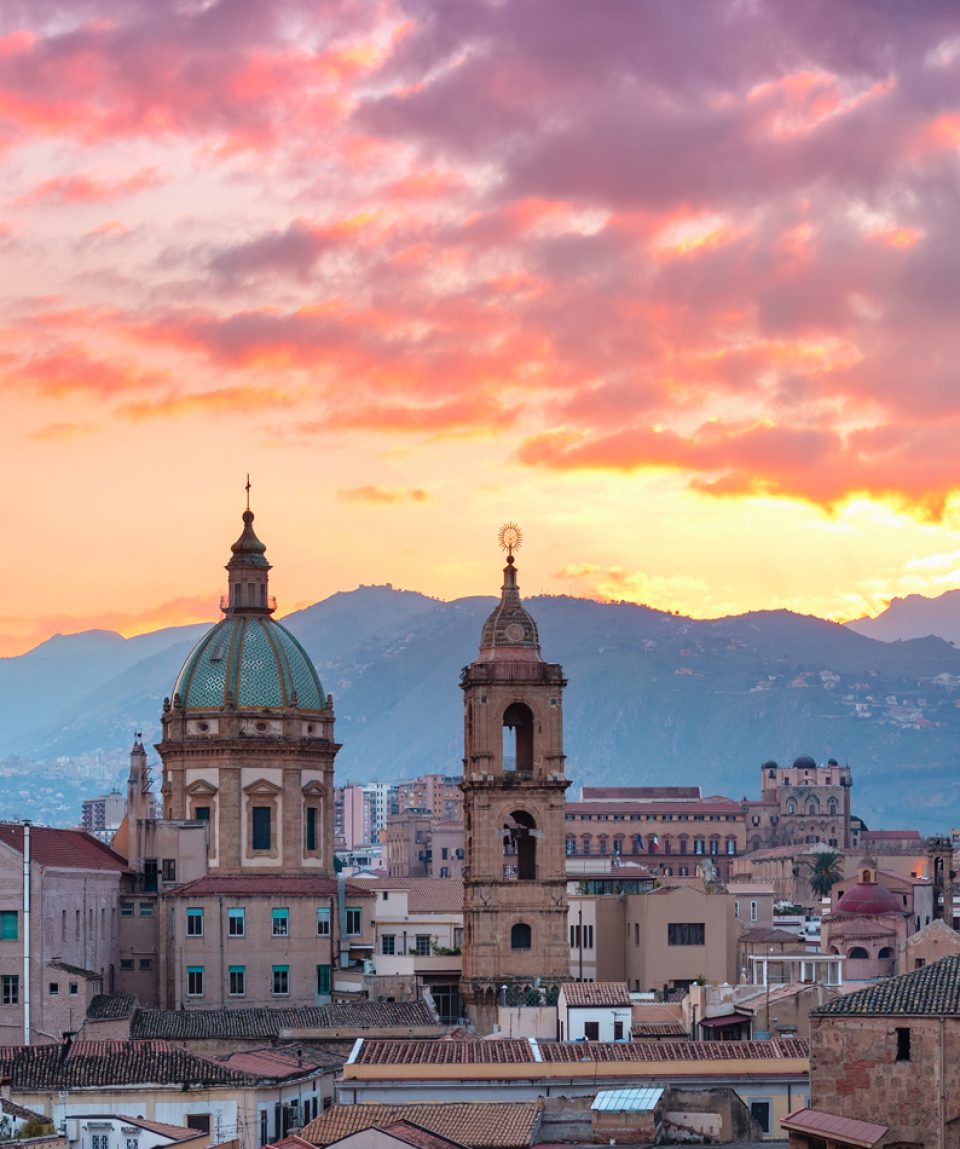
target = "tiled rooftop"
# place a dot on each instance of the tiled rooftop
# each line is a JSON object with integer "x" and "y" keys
{"x": 933, "y": 990}
{"x": 419, "y": 1137}
{"x": 424, "y": 895}
{"x": 478, "y": 1124}
{"x": 111, "y": 1006}
{"x": 75, "y": 970}
{"x": 175, "y": 1132}
{"x": 657, "y": 1029}
{"x": 595, "y": 993}
{"x": 493, "y": 1052}
{"x": 830, "y": 1126}
{"x": 207, "y": 1024}
{"x": 673, "y": 1050}
{"x": 70, "y": 849}
{"x": 92, "y": 1064}
{"x": 764, "y": 935}
{"x": 518, "y": 1051}
{"x": 265, "y": 886}
{"x": 20, "y": 1112}
{"x": 291, "y": 1061}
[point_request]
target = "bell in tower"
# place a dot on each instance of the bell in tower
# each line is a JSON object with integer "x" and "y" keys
{"x": 515, "y": 901}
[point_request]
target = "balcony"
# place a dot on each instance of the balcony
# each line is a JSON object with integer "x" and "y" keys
{"x": 411, "y": 964}
{"x": 248, "y": 608}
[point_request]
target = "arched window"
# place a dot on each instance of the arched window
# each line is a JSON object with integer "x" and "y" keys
{"x": 791, "y": 807}
{"x": 518, "y": 738}
{"x": 520, "y": 938}
{"x": 832, "y": 807}
{"x": 885, "y": 952}
{"x": 586, "y": 844}
{"x": 571, "y": 846}
{"x": 618, "y": 845}
{"x": 858, "y": 952}
{"x": 811, "y": 808}
{"x": 520, "y": 841}
{"x": 603, "y": 844}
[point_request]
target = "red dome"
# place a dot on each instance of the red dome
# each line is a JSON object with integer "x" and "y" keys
{"x": 869, "y": 898}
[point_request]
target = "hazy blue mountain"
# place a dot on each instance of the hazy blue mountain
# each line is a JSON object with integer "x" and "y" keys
{"x": 651, "y": 696}
{"x": 914, "y": 617}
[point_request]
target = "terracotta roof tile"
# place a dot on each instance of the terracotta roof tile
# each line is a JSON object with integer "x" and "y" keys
{"x": 933, "y": 990}
{"x": 21, "y": 1113}
{"x": 657, "y": 1029}
{"x": 69, "y": 849}
{"x": 479, "y": 1124}
{"x": 111, "y": 1006}
{"x": 93, "y": 1064}
{"x": 176, "y": 1132}
{"x": 291, "y": 1061}
{"x": 673, "y": 1050}
{"x": 265, "y": 885}
{"x": 207, "y": 1024}
{"x": 424, "y": 895}
{"x": 419, "y": 1137}
{"x": 595, "y": 993}
{"x": 75, "y": 970}
{"x": 845, "y": 1130}
{"x": 496, "y": 1051}
{"x": 291, "y": 1141}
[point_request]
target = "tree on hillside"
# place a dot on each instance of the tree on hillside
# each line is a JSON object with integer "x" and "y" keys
{"x": 826, "y": 871}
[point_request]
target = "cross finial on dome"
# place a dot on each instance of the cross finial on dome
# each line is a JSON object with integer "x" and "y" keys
{"x": 247, "y": 489}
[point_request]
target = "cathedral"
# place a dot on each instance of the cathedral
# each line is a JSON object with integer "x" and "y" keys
{"x": 238, "y": 901}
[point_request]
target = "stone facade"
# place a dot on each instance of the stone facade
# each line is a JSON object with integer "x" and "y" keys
{"x": 515, "y": 900}
{"x": 801, "y": 804}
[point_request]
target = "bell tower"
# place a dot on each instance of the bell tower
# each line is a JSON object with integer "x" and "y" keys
{"x": 514, "y": 898}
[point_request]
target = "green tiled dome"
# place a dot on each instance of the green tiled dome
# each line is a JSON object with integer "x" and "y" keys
{"x": 250, "y": 662}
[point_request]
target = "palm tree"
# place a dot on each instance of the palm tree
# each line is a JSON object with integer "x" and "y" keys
{"x": 826, "y": 871}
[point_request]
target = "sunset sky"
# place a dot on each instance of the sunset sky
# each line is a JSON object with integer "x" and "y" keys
{"x": 673, "y": 284}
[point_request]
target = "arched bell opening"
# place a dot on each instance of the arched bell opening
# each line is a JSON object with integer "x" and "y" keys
{"x": 518, "y": 738}
{"x": 520, "y": 846}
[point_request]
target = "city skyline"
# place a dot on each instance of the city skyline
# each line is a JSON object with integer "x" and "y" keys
{"x": 677, "y": 298}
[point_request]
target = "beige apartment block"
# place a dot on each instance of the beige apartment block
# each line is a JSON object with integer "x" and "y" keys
{"x": 259, "y": 940}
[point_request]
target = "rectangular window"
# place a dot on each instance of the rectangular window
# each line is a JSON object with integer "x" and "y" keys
{"x": 591, "y": 1030}
{"x": 354, "y": 921}
{"x": 422, "y": 945}
{"x": 126, "y": 964}
{"x": 126, "y": 909}
{"x": 74, "y": 988}
{"x": 588, "y": 937}
{"x": 323, "y": 922}
{"x": 199, "y": 1121}
{"x": 146, "y": 963}
{"x": 10, "y": 989}
{"x": 131, "y": 1142}
{"x": 169, "y": 869}
{"x": 194, "y": 923}
{"x": 194, "y": 981}
{"x": 311, "y": 828}
{"x": 260, "y": 819}
{"x": 9, "y": 925}
{"x": 146, "y": 909}
{"x": 54, "y": 989}
{"x": 698, "y": 845}
{"x": 686, "y": 934}
{"x": 903, "y": 1044}
{"x": 753, "y": 911}
{"x": 201, "y": 813}
{"x": 281, "y": 923}
{"x": 323, "y": 979}
{"x": 388, "y": 944}
{"x": 238, "y": 980}
{"x": 236, "y": 922}
{"x": 731, "y": 846}
{"x": 714, "y": 846}
{"x": 281, "y": 980}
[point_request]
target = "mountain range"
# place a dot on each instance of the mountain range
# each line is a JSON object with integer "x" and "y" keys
{"x": 652, "y": 696}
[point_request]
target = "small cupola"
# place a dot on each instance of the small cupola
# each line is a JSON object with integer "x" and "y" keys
{"x": 248, "y": 572}
{"x": 510, "y": 634}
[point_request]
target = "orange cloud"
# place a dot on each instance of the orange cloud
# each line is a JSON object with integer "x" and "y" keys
{"x": 62, "y": 432}
{"x": 382, "y": 496}
{"x": 224, "y": 401}
{"x": 73, "y": 370}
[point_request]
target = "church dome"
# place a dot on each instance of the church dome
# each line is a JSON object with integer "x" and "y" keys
{"x": 869, "y": 898}
{"x": 248, "y": 661}
{"x": 804, "y": 762}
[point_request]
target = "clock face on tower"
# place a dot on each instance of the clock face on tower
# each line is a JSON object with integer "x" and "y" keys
{"x": 515, "y": 632}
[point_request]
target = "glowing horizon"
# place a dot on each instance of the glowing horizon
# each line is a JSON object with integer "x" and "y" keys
{"x": 675, "y": 294}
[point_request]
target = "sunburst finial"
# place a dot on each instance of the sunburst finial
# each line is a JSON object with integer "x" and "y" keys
{"x": 510, "y": 538}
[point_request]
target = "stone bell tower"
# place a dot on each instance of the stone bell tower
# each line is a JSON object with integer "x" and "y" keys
{"x": 514, "y": 899}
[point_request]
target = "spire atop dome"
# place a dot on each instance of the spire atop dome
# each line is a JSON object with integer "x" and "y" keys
{"x": 248, "y": 571}
{"x": 510, "y": 634}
